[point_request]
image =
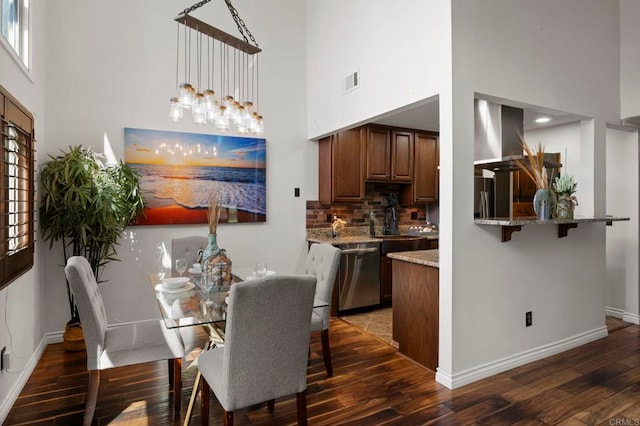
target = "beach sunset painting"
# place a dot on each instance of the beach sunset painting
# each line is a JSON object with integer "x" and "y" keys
{"x": 180, "y": 171}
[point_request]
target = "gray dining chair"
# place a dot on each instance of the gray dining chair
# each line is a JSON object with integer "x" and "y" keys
{"x": 119, "y": 345}
{"x": 265, "y": 350}
{"x": 323, "y": 261}
{"x": 188, "y": 248}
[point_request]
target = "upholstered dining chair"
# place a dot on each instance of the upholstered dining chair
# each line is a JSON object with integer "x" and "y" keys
{"x": 119, "y": 345}
{"x": 323, "y": 261}
{"x": 187, "y": 248}
{"x": 265, "y": 350}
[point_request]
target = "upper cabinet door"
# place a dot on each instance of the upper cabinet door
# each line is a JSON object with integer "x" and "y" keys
{"x": 347, "y": 165}
{"x": 425, "y": 185}
{"x": 378, "y": 154}
{"x": 402, "y": 156}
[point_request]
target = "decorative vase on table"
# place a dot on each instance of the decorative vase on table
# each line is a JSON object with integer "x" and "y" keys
{"x": 544, "y": 203}
{"x": 216, "y": 265}
{"x": 564, "y": 208}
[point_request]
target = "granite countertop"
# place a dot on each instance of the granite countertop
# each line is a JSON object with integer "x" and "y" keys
{"x": 506, "y": 221}
{"x": 356, "y": 235}
{"x": 420, "y": 257}
{"x": 357, "y": 239}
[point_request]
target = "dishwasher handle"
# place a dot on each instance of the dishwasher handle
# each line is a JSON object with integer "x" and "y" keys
{"x": 360, "y": 250}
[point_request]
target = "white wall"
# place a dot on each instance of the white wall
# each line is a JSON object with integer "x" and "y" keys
{"x": 22, "y": 302}
{"x": 629, "y": 58}
{"x": 519, "y": 50}
{"x": 565, "y": 139}
{"x": 112, "y": 65}
{"x": 399, "y": 49}
{"x": 622, "y": 295}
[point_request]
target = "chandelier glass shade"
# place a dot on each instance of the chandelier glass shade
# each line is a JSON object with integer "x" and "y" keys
{"x": 217, "y": 80}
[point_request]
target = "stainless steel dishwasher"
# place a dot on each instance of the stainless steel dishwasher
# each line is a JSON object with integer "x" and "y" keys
{"x": 359, "y": 276}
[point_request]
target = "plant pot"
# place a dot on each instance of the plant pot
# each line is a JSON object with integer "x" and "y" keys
{"x": 73, "y": 337}
{"x": 544, "y": 203}
{"x": 564, "y": 209}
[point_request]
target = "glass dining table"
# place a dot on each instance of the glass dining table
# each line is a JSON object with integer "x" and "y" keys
{"x": 194, "y": 305}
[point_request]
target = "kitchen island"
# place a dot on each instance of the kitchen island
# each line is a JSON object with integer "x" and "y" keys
{"x": 416, "y": 305}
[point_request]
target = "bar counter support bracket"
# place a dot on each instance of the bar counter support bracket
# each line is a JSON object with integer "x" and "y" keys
{"x": 507, "y": 230}
{"x": 563, "y": 229}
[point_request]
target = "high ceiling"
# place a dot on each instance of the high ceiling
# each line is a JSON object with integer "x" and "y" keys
{"x": 425, "y": 115}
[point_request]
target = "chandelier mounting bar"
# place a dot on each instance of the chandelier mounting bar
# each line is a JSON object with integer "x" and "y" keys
{"x": 220, "y": 35}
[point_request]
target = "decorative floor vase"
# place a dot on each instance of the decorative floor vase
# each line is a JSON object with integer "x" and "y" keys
{"x": 564, "y": 209}
{"x": 73, "y": 337}
{"x": 544, "y": 203}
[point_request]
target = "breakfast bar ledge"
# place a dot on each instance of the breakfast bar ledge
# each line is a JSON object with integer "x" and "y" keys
{"x": 511, "y": 225}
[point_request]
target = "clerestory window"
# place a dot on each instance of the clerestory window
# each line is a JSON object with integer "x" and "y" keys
{"x": 14, "y": 23}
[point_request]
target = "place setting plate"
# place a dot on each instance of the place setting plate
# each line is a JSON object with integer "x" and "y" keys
{"x": 174, "y": 285}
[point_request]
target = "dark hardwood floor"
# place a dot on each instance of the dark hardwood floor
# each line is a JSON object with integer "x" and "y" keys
{"x": 598, "y": 383}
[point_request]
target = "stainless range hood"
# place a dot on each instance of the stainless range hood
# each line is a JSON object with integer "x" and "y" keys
{"x": 497, "y": 137}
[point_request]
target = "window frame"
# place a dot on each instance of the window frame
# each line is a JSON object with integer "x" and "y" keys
{"x": 17, "y": 177}
{"x": 21, "y": 52}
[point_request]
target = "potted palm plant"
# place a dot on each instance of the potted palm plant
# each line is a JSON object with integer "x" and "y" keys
{"x": 86, "y": 206}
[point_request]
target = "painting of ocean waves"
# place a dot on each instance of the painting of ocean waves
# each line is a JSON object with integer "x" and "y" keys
{"x": 180, "y": 171}
{"x": 190, "y": 187}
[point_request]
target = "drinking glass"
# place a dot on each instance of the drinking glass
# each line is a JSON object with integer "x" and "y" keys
{"x": 261, "y": 269}
{"x": 181, "y": 266}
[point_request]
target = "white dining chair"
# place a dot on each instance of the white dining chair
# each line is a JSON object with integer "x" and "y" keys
{"x": 323, "y": 261}
{"x": 119, "y": 345}
{"x": 187, "y": 248}
{"x": 265, "y": 350}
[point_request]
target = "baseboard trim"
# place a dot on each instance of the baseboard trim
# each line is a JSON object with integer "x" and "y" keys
{"x": 456, "y": 380}
{"x": 632, "y": 318}
{"x": 23, "y": 377}
{"x": 614, "y": 312}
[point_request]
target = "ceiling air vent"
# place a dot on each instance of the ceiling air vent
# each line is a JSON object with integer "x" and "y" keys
{"x": 351, "y": 82}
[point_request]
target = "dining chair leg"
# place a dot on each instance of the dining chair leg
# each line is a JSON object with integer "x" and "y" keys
{"x": 326, "y": 352}
{"x": 177, "y": 385}
{"x": 270, "y": 405}
{"x": 204, "y": 402}
{"x": 170, "y": 365}
{"x": 228, "y": 418}
{"x": 92, "y": 396}
{"x": 301, "y": 401}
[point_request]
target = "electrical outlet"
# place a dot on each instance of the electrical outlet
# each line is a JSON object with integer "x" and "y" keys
{"x": 414, "y": 215}
{"x": 528, "y": 319}
{"x": 296, "y": 192}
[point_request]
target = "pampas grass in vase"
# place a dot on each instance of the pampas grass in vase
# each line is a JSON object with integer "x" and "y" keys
{"x": 213, "y": 216}
{"x": 217, "y": 265}
{"x": 544, "y": 200}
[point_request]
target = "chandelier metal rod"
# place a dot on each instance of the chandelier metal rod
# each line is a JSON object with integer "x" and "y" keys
{"x": 220, "y": 35}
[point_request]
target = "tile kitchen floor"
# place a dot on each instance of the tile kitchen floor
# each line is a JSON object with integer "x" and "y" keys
{"x": 377, "y": 323}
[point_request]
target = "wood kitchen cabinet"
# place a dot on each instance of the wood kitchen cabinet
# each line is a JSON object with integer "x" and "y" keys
{"x": 341, "y": 168}
{"x": 424, "y": 188}
{"x": 416, "y": 311}
{"x": 389, "y": 155}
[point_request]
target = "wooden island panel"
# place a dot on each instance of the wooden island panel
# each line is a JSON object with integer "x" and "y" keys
{"x": 415, "y": 311}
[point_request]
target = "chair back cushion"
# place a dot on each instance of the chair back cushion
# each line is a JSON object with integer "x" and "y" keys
{"x": 267, "y": 340}
{"x": 186, "y": 248}
{"x": 88, "y": 299}
{"x": 322, "y": 262}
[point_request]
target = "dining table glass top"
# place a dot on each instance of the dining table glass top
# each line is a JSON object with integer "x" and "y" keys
{"x": 193, "y": 305}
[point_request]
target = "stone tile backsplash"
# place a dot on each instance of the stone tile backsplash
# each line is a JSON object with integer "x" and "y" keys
{"x": 357, "y": 214}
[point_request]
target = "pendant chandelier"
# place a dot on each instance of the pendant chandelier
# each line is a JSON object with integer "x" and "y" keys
{"x": 212, "y": 60}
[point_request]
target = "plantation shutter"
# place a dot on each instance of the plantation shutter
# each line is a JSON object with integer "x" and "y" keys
{"x": 17, "y": 209}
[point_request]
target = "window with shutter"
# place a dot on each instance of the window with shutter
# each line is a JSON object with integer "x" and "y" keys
{"x": 17, "y": 208}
